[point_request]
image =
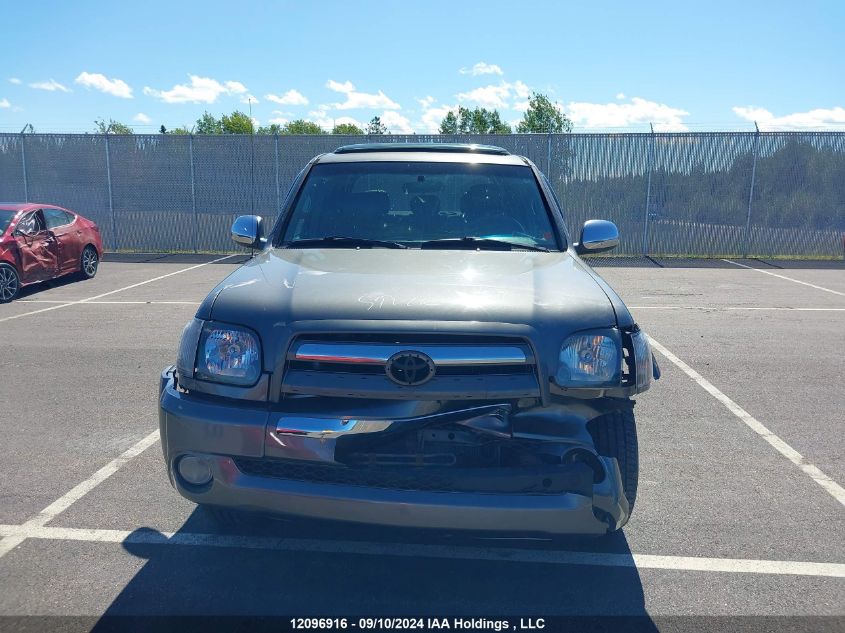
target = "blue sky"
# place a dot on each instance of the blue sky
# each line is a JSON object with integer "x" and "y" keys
{"x": 610, "y": 65}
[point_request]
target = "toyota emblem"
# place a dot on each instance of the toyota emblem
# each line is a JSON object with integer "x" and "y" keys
{"x": 410, "y": 369}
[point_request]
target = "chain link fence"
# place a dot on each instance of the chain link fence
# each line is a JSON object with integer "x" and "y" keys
{"x": 766, "y": 194}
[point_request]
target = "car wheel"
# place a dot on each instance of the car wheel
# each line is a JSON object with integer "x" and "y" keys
{"x": 615, "y": 435}
{"x": 10, "y": 283}
{"x": 88, "y": 263}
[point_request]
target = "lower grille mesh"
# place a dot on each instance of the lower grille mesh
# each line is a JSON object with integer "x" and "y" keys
{"x": 577, "y": 478}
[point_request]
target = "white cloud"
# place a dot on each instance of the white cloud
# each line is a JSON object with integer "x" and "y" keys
{"x": 395, "y": 122}
{"x": 432, "y": 117}
{"x": 291, "y": 97}
{"x": 638, "y": 111}
{"x": 249, "y": 98}
{"x": 114, "y": 87}
{"x": 828, "y": 118}
{"x": 142, "y": 118}
{"x": 482, "y": 68}
{"x": 321, "y": 117}
{"x": 491, "y": 96}
{"x": 355, "y": 100}
{"x": 51, "y": 86}
{"x": 200, "y": 90}
{"x": 15, "y": 80}
{"x": 620, "y": 95}
{"x": 521, "y": 90}
{"x": 498, "y": 95}
{"x": 426, "y": 102}
{"x": 4, "y": 103}
{"x": 348, "y": 119}
{"x": 279, "y": 120}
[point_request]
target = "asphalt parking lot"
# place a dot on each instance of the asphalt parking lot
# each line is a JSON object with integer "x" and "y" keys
{"x": 741, "y": 510}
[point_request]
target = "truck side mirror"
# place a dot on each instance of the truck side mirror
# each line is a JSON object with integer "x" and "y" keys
{"x": 248, "y": 230}
{"x": 597, "y": 236}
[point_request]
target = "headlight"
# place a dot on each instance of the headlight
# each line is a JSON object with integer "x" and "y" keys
{"x": 642, "y": 359}
{"x": 228, "y": 354}
{"x": 590, "y": 359}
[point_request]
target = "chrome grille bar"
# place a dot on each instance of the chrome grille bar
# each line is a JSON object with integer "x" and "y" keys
{"x": 442, "y": 355}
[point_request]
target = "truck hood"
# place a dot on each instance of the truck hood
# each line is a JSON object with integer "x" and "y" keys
{"x": 530, "y": 291}
{"x": 430, "y": 285}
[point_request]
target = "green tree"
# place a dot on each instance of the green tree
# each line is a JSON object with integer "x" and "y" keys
{"x": 112, "y": 127}
{"x": 208, "y": 124}
{"x": 347, "y": 128}
{"x": 237, "y": 123}
{"x": 180, "y": 130}
{"x": 301, "y": 126}
{"x": 543, "y": 117}
{"x": 475, "y": 121}
{"x": 449, "y": 124}
{"x": 376, "y": 127}
{"x": 272, "y": 129}
{"x": 162, "y": 130}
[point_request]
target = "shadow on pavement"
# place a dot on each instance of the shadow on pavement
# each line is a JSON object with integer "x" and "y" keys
{"x": 32, "y": 290}
{"x": 316, "y": 575}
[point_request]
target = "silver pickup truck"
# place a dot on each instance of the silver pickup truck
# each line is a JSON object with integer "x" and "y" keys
{"x": 416, "y": 343}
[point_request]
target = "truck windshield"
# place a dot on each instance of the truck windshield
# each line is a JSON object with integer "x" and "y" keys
{"x": 412, "y": 203}
{"x": 5, "y": 218}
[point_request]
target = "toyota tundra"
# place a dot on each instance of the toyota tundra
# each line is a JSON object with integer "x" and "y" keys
{"x": 416, "y": 342}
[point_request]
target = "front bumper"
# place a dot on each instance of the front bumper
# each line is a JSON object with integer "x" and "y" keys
{"x": 224, "y": 434}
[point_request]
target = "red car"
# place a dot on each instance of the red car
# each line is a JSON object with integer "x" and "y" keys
{"x": 42, "y": 241}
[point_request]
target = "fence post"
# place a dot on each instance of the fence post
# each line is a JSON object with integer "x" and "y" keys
{"x": 754, "y": 152}
{"x": 193, "y": 191}
{"x": 549, "y": 158}
{"x": 23, "y": 164}
{"x": 278, "y": 191}
{"x": 648, "y": 190}
{"x": 111, "y": 201}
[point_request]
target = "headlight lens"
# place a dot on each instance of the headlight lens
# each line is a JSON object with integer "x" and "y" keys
{"x": 590, "y": 359}
{"x": 642, "y": 359}
{"x": 228, "y": 354}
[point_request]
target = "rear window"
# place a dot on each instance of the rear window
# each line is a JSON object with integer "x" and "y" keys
{"x": 413, "y": 202}
{"x": 57, "y": 217}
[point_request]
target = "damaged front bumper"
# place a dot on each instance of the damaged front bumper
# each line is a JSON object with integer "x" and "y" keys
{"x": 496, "y": 467}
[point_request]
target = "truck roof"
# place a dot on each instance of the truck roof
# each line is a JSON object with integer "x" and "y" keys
{"x": 422, "y": 152}
{"x": 462, "y": 148}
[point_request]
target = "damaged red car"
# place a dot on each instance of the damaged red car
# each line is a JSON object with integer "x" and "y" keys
{"x": 39, "y": 242}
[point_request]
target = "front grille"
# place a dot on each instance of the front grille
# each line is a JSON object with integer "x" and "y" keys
{"x": 466, "y": 367}
{"x": 378, "y": 370}
{"x": 537, "y": 480}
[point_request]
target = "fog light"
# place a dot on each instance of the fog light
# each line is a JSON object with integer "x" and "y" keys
{"x": 195, "y": 470}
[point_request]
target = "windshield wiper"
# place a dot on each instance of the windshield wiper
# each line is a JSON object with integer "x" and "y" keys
{"x": 340, "y": 241}
{"x": 481, "y": 242}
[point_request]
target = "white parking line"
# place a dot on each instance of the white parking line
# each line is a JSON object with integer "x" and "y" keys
{"x": 413, "y": 550}
{"x": 77, "y": 492}
{"x": 797, "y": 281}
{"x": 111, "y": 292}
{"x": 718, "y": 308}
{"x": 758, "y": 427}
{"x": 113, "y": 303}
